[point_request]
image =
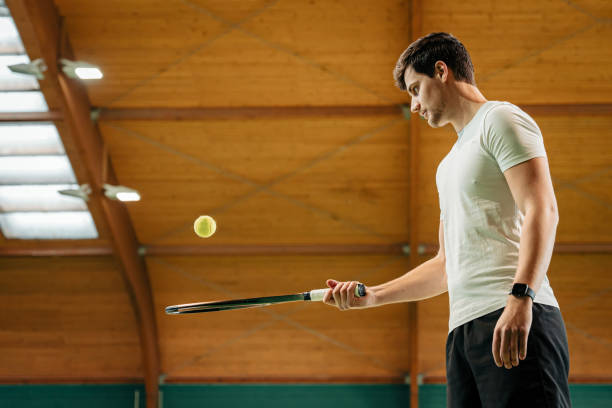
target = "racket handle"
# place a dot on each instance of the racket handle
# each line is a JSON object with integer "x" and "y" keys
{"x": 317, "y": 295}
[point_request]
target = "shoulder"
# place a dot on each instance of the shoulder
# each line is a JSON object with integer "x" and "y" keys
{"x": 504, "y": 115}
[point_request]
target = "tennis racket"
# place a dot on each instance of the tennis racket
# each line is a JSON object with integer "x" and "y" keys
{"x": 202, "y": 307}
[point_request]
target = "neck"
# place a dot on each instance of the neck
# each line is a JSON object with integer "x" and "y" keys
{"x": 466, "y": 100}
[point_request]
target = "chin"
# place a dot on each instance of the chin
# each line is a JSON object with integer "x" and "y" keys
{"x": 433, "y": 124}
{"x": 436, "y": 122}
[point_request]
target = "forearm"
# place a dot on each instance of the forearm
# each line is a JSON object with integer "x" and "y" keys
{"x": 536, "y": 247}
{"x": 424, "y": 281}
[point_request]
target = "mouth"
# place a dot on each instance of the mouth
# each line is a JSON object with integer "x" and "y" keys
{"x": 424, "y": 115}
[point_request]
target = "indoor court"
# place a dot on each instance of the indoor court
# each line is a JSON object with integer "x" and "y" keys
{"x": 281, "y": 121}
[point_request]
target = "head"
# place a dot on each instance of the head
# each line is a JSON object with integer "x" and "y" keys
{"x": 427, "y": 68}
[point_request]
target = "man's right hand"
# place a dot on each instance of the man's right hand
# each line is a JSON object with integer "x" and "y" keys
{"x": 342, "y": 295}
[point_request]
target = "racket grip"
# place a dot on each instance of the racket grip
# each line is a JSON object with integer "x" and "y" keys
{"x": 317, "y": 295}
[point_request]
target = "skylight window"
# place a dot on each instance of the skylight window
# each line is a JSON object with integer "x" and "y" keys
{"x": 36, "y": 170}
{"x": 33, "y": 163}
{"x": 28, "y": 101}
{"x": 30, "y": 138}
{"x": 10, "y": 42}
{"x": 48, "y": 225}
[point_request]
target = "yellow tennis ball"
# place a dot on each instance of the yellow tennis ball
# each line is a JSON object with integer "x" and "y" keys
{"x": 204, "y": 226}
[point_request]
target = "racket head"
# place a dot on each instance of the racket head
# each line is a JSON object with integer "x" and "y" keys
{"x": 203, "y": 307}
{"x": 207, "y": 307}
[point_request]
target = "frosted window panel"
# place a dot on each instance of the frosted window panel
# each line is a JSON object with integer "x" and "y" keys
{"x": 36, "y": 170}
{"x": 32, "y": 101}
{"x": 10, "y": 41}
{"x": 12, "y": 81}
{"x": 51, "y": 225}
{"x": 30, "y": 138}
{"x": 39, "y": 198}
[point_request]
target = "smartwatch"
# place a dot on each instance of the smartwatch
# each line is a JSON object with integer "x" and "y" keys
{"x": 521, "y": 290}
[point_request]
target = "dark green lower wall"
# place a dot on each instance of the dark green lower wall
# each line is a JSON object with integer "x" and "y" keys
{"x": 70, "y": 396}
{"x": 296, "y": 395}
{"x": 255, "y": 395}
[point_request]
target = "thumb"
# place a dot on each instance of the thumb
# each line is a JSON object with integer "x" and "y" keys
{"x": 331, "y": 283}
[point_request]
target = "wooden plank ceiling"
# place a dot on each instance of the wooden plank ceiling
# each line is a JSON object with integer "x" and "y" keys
{"x": 293, "y": 180}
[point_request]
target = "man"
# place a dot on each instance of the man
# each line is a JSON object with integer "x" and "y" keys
{"x": 507, "y": 345}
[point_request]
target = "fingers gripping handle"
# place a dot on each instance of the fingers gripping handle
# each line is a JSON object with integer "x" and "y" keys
{"x": 317, "y": 295}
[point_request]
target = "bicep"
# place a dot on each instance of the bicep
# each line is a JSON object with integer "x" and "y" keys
{"x": 531, "y": 185}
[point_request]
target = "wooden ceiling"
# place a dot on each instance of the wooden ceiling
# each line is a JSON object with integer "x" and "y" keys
{"x": 323, "y": 162}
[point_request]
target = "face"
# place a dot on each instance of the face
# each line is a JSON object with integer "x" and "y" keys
{"x": 427, "y": 96}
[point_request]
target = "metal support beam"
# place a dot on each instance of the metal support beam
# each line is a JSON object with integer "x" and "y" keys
{"x": 40, "y": 20}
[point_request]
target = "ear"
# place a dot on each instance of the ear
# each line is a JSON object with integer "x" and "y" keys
{"x": 441, "y": 71}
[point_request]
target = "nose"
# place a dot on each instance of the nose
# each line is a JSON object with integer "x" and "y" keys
{"x": 415, "y": 106}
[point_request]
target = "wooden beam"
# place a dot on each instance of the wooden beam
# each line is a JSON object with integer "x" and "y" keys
{"x": 56, "y": 250}
{"x": 170, "y": 114}
{"x": 45, "y": 25}
{"x": 70, "y": 380}
{"x": 31, "y": 116}
{"x": 307, "y": 380}
{"x": 320, "y": 111}
{"x": 440, "y": 379}
{"x": 62, "y": 249}
{"x": 348, "y": 249}
{"x": 255, "y": 112}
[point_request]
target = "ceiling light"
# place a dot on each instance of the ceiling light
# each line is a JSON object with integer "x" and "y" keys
{"x": 121, "y": 193}
{"x": 36, "y": 68}
{"x": 80, "y": 69}
{"x": 82, "y": 192}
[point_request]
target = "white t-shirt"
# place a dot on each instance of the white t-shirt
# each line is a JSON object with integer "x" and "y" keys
{"x": 482, "y": 224}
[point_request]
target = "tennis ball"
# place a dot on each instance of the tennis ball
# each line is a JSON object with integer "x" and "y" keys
{"x": 204, "y": 226}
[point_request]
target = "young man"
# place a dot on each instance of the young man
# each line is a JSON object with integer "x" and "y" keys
{"x": 507, "y": 345}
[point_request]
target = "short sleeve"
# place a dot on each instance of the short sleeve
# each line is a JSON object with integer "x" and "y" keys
{"x": 511, "y": 136}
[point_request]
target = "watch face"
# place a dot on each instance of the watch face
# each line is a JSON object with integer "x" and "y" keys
{"x": 519, "y": 289}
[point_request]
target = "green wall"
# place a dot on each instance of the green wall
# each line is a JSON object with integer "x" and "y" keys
{"x": 255, "y": 395}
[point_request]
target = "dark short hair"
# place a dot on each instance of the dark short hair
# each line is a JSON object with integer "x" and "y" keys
{"x": 422, "y": 54}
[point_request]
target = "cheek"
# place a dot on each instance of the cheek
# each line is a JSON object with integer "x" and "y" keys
{"x": 435, "y": 99}
{"x": 429, "y": 97}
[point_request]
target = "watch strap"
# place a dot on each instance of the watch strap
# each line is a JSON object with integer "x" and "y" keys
{"x": 521, "y": 290}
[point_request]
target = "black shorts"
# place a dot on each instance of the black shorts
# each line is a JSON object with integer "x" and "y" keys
{"x": 538, "y": 381}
